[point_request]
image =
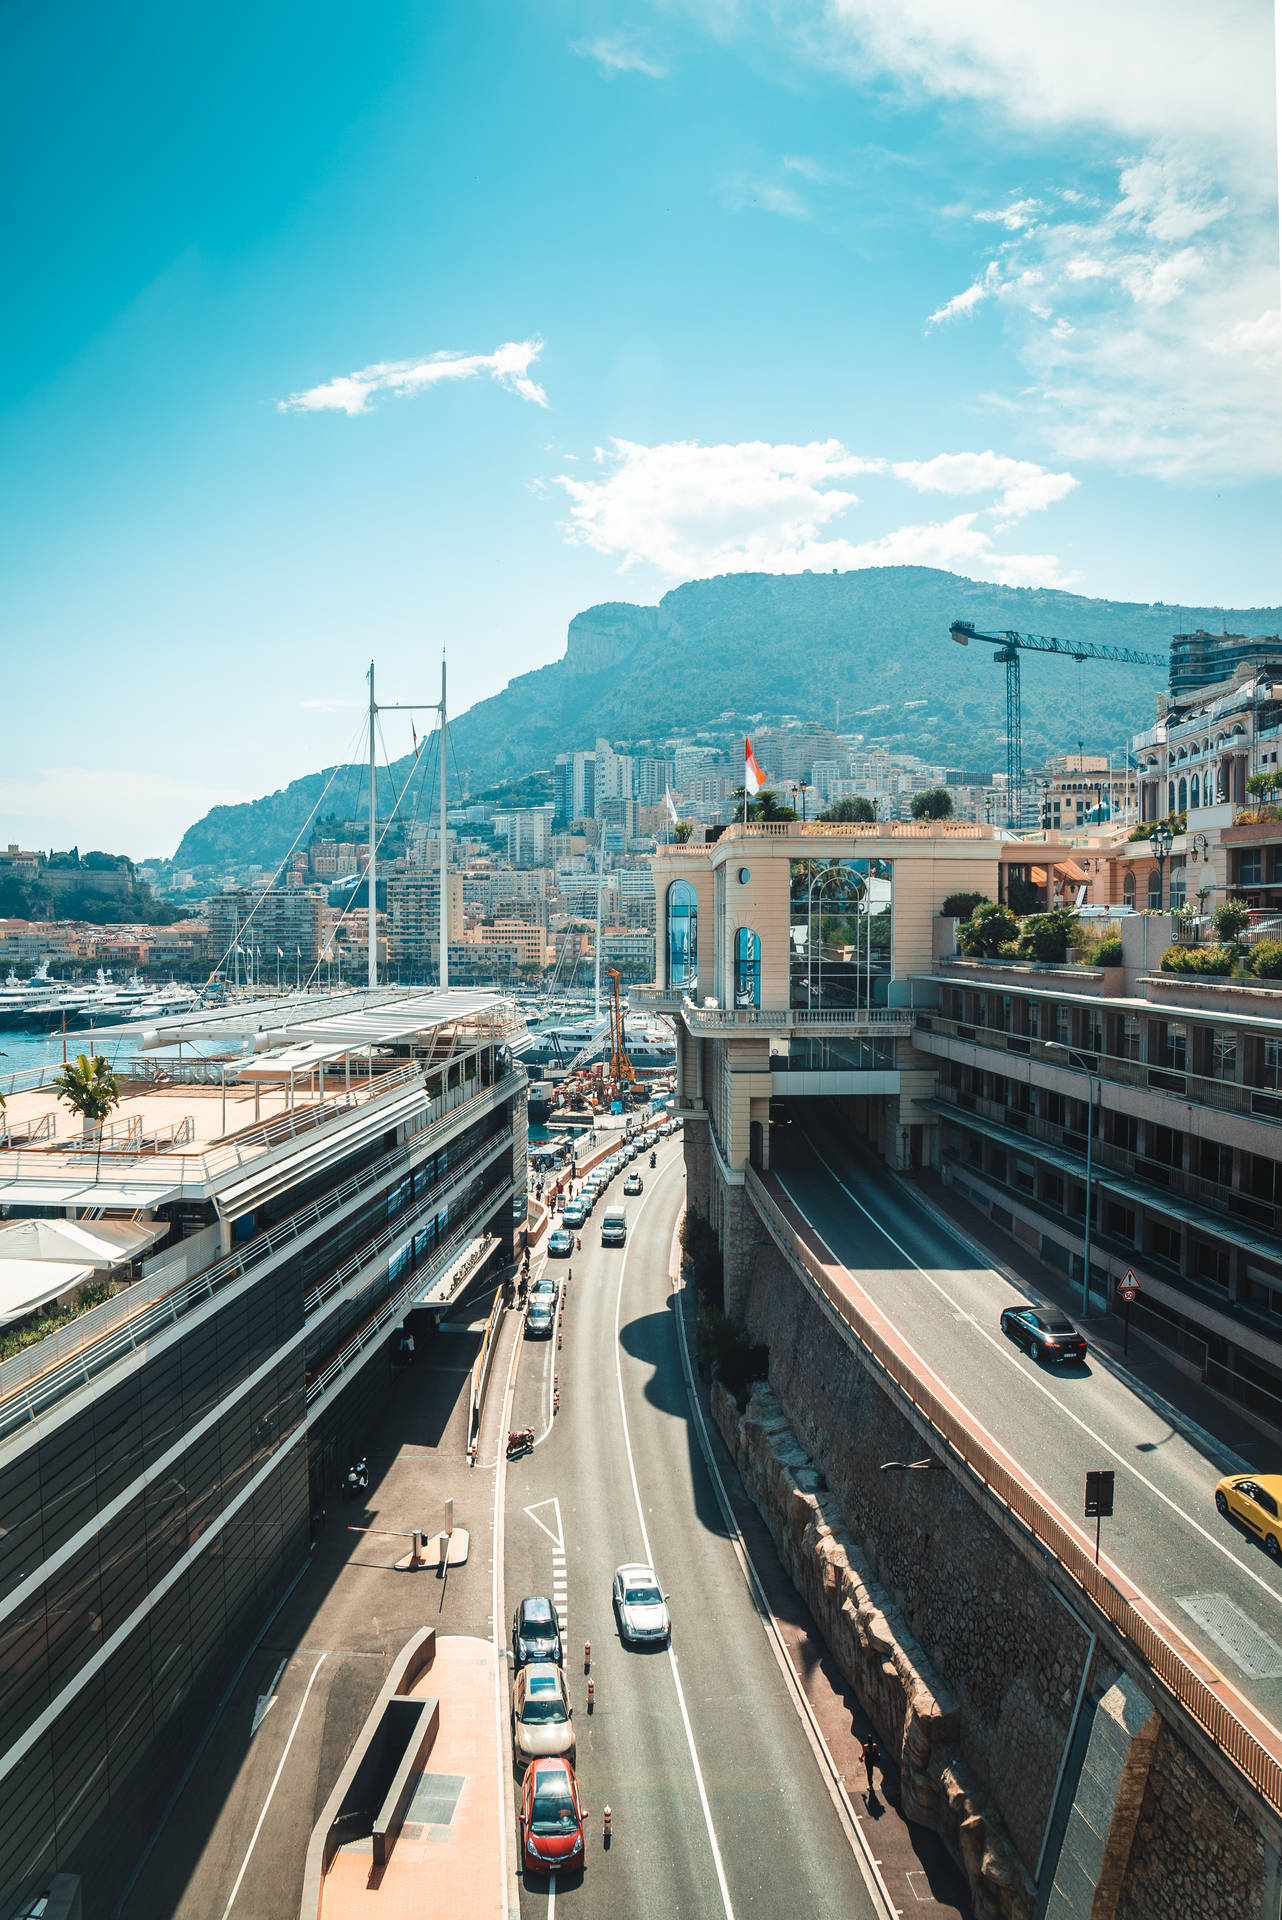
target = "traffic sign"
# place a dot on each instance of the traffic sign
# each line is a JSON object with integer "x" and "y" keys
{"x": 1099, "y": 1494}
{"x": 1128, "y": 1286}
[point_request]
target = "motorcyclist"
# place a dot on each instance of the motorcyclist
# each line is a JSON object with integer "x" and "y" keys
{"x": 654, "y": 1159}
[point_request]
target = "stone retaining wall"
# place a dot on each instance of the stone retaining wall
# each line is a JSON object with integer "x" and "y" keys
{"x": 916, "y": 1715}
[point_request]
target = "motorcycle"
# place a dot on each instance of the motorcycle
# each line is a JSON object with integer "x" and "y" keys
{"x": 356, "y": 1479}
{"x": 520, "y": 1440}
{"x": 654, "y": 1158}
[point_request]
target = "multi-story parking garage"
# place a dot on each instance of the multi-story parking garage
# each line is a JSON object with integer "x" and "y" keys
{"x": 163, "y": 1452}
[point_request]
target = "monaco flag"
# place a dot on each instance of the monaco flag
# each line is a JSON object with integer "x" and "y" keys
{"x": 753, "y": 778}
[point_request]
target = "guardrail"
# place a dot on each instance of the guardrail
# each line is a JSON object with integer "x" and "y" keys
{"x": 875, "y": 1019}
{"x": 1262, "y": 1768}
{"x": 39, "y": 1376}
{"x": 481, "y": 1371}
{"x": 856, "y": 829}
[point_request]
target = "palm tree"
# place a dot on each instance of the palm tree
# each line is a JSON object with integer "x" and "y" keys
{"x": 89, "y": 1088}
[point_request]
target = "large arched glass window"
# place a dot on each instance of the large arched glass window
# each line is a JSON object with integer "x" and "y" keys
{"x": 683, "y": 934}
{"x": 1194, "y": 789}
{"x": 1184, "y": 796}
{"x": 747, "y": 968}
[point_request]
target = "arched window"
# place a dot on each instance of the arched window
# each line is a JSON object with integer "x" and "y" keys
{"x": 747, "y": 968}
{"x": 1194, "y": 790}
{"x": 1184, "y": 796}
{"x": 1170, "y": 803}
{"x": 1128, "y": 890}
{"x": 683, "y": 934}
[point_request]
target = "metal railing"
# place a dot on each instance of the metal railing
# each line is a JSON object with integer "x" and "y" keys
{"x": 876, "y": 1019}
{"x": 1231, "y": 1096}
{"x": 39, "y": 1376}
{"x": 1257, "y": 1763}
{"x": 393, "y": 1307}
{"x": 861, "y": 830}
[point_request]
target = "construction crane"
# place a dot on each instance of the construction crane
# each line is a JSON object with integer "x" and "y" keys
{"x": 1009, "y": 647}
{"x": 622, "y": 1071}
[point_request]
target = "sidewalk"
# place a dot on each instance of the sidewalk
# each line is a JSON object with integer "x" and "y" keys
{"x": 1234, "y": 1442}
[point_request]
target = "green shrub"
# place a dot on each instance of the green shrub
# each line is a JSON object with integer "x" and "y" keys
{"x": 1046, "y": 936}
{"x": 989, "y": 925}
{"x": 722, "y": 1346}
{"x": 699, "y": 1245}
{"x": 1108, "y": 951}
{"x": 1265, "y": 960}
{"x": 36, "y": 1330}
{"x": 960, "y": 906}
{"x": 1201, "y": 959}
{"x": 1229, "y": 919}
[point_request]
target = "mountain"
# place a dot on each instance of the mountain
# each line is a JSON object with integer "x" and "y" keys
{"x": 870, "y": 648}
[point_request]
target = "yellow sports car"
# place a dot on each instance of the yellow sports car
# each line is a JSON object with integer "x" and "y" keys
{"x": 1254, "y": 1500}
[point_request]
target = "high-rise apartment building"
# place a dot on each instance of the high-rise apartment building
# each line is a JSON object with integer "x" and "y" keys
{"x": 260, "y": 923}
{"x": 574, "y": 788}
{"x": 414, "y": 922}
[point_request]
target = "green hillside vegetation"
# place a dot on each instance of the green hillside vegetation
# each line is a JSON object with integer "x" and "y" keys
{"x": 869, "y": 651}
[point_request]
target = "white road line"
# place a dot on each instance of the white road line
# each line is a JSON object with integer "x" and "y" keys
{"x": 557, "y": 1538}
{"x": 877, "y": 1889}
{"x": 1001, "y": 1348}
{"x": 645, "y": 1537}
{"x": 253, "y": 1839}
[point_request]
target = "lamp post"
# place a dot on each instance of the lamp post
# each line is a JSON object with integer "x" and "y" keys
{"x": 1160, "y": 841}
{"x": 1070, "y": 1053}
{"x": 805, "y": 788}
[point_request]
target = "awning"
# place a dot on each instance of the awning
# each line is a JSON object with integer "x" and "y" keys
{"x": 327, "y": 1146}
{"x": 100, "y": 1243}
{"x": 280, "y": 1064}
{"x": 87, "y": 1192}
{"x": 28, "y": 1284}
{"x": 1071, "y": 870}
{"x": 1038, "y": 874}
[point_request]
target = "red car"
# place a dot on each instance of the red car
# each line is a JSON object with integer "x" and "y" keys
{"x": 551, "y": 1818}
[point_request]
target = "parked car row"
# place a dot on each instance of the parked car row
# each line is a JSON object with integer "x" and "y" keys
{"x": 552, "y": 1811}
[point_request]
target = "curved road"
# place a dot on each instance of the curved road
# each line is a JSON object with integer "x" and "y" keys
{"x": 719, "y": 1807}
{"x": 1215, "y": 1586}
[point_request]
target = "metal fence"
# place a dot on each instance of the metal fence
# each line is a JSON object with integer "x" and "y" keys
{"x": 1258, "y": 1763}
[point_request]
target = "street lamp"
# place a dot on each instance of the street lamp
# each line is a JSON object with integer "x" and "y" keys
{"x": 1160, "y": 841}
{"x": 805, "y": 788}
{"x": 1059, "y": 1046}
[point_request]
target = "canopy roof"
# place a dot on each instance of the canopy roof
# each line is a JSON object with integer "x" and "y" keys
{"x": 99, "y": 1243}
{"x": 28, "y": 1284}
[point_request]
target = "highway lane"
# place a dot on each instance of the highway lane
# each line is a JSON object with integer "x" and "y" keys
{"x": 719, "y": 1808}
{"x": 1166, "y": 1534}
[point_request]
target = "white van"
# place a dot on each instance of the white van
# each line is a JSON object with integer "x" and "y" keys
{"x": 614, "y": 1227}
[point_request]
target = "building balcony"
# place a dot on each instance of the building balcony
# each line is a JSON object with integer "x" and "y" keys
{"x": 657, "y": 999}
{"x": 708, "y": 1021}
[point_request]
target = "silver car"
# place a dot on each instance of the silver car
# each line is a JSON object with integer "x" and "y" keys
{"x": 641, "y": 1607}
{"x": 542, "y": 1717}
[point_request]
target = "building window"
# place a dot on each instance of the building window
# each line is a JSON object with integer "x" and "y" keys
{"x": 1184, "y": 797}
{"x": 1154, "y": 889}
{"x": 1194, "y": 790}
{"x": 747, "y": 968}
{"x": 1128, "y": 891}
{"x": 1223, "y": 1054}
{"x": 1212, "y": 1264}
{"x": 1168, "y": 1044}
{"x": 1162, "y": 1242}
{"x": 839, "y": 918}
{"x": 1250, "y": 868}
{"x": 1265, "y": 1179}
{"x": 1122, "y": 1130}
{"x": 683, "y": 935}
{"x": 1215, "y": 1162}
{"x": 1119, "y": 1221}
{"x": 1165, "y": 1145}
{"x": 1127, "y": 1039}
{"x": 1063, "y": 1018}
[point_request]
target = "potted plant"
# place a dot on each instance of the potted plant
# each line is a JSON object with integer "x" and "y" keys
{"x": 89, "y": 1088}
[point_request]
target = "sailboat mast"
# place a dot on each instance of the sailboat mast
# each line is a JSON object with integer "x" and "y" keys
{"x": 444, "y": 969}
{"x": 370, "y": 881}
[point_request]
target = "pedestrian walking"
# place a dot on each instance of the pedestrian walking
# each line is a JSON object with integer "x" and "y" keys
{"x": 870, "y": 1754}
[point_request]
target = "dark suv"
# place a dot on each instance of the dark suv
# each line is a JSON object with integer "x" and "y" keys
{"x": 536, "y": 1633}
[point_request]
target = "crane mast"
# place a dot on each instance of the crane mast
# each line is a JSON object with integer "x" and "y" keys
{"x": 1009, "y": 646}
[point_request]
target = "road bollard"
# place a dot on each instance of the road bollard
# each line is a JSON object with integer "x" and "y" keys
{"x": 605, "y": 1826}
{"x": 591, "y": 1695}
{"x": 587, "y": 1656}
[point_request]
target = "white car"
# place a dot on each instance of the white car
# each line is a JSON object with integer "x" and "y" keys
{"x": 641, "y": 1607}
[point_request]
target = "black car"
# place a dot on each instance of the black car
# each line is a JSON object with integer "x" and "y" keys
{"x": 1045, "y": 1332}
{"x": 536, "y": 1634}
{"x": 539, "y": 1320}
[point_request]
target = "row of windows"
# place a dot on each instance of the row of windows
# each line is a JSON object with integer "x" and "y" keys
{"x": 108, "y": 1747}
{"x": 54, "y": 1626}
{"x": 1213, "y": 1052}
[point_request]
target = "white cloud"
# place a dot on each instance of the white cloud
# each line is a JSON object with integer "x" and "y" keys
{"x": 1021, "y": 486}
{"x": 350, "y": 393}
{"x": 1140, "y": 320}
{"x": 814, "y": 170}
{"x": 617, "y": 56}
{"x": 766, "y": 196}
{"x": 690, "y": 511}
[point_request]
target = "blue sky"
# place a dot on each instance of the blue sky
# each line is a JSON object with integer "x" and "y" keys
{"x": 335, "y": 331}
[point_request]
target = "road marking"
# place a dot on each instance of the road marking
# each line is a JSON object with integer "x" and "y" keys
{"x": 557, "y": 1538}
{"x": 253, "y": 1838}
{"x": 551, "y": 1894}
{"x": 1001, "y": 1348}
{"x": 266, "y": 1701}
{"x": 877, "y": 1889}
{"x": 645, "y": 1538}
